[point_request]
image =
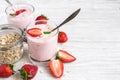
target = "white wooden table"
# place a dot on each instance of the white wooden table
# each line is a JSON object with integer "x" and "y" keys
{"x": 94, "y": 37}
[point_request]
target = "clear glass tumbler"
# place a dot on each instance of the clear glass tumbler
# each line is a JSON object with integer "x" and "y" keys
{"x": 11, "y": 43}
{"x": 20, "y": 14}
{"x": 44, "y": 46}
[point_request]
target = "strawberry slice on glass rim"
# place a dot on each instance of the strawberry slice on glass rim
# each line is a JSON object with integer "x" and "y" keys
{"x": 20, "y": 11}
{"x": 34, "y": 32}
{"x": 17, "y": 12}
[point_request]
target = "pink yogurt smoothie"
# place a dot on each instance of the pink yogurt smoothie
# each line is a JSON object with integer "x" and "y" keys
{"x": 23, "y": 19}
{"x": 44, "y": 47}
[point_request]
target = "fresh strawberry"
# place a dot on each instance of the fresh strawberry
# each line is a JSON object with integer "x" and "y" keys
{"x": 56, "y": 67}
{"x": 42, "y": 18}
{"x": 6, "y": 70}
{"x": 62, "y": 37}
{"x": 18, "y": 12}
{"x": 64, "y": 56}
{"x": 28, "y": 71}
{"x": 34, "y": 32}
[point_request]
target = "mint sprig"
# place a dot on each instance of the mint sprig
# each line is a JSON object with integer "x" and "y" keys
{"x": 12, "y": 14}
{"x": 46, "y": 32}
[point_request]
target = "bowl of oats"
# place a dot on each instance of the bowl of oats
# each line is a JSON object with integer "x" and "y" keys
{"x": 11, "y": 43}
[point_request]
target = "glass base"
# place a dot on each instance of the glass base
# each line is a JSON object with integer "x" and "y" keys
{"x": 37, "y": 62}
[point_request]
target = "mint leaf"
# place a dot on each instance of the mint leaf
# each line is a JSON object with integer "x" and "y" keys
{"x": 12, "y": 14}
{"x": 46, "y": 32}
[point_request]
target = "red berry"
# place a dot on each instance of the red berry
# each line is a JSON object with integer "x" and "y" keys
{"x": 28, "y": 71}
{"x": 62, "y": 37}
{"x": 6, "y": 70}
{"x": 34, "y": 32}
{"x": 64, "y": 56}
{"x": 20, "y": 11}
{"x": 42, "y": 18}
{"x": 56, "y": 68}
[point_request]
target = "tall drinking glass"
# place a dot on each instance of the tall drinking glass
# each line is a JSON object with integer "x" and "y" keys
{"x": 20, "y": 14}
{"x": 44, "y": 46}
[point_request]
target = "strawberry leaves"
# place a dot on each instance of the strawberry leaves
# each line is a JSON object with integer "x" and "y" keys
{"x": 23, "y": 74}
{"x": 27, "y": 72}
{"x": 11, "y": 66}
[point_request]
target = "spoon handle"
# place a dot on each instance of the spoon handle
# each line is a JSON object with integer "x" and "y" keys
{"x": 9, "y": 2}
{"x": 68, "y": 19}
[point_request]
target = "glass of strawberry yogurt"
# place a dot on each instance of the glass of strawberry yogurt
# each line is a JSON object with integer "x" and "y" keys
{"x": 42, "y": 45}
{"x": 20, "y": 14}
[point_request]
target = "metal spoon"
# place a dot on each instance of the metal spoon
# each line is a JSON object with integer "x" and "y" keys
{"x": 13, "y": 8}
{"x": 9, "y": 2}
{"x": 73, "y": 15}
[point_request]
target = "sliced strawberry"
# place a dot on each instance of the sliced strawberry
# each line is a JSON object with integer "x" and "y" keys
{"x": 62, "y": 37}
{"x": 42, "y": 18}
{"x": 56, "y": 67}
{"x": 34, "y": 32}
{"x": 64, "y": 56}
{"x": 20, "y": 11}
{"x": 6, "y": 70}
{"x": 28, "y": 71}
{"x": 17, "y": 12}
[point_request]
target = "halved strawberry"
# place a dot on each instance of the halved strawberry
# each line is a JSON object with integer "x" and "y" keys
{"x": 6, "y": 70}
{"x": 64, "y": 56}
{"x": 18, "y": 12}
{"x": 56, "y": 67}
{"x": 62, "y": 37}
{"x": 28, "y": 71}
{"x": 34, "y": 32}
{"x": 42, "y": 18}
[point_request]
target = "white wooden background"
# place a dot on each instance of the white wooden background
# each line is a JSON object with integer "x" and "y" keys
{"x": 94, "y": 37}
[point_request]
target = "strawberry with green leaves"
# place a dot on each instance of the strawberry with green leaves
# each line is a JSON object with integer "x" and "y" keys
{"x": 28, "y": 71}
{"x": 62, "y": 37}
{"x": 42, "y": 19}
{"x": 6, "y": 70}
